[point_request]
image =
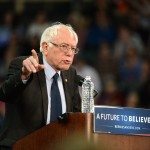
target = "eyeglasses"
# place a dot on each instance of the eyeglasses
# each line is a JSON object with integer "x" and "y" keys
{"x": 65, "y": 47}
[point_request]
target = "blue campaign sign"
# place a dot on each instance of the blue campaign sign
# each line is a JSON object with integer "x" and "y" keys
{"x": 122, "y": 120}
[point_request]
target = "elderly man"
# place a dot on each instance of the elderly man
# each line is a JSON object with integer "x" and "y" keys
{"x": 41, "y": 87}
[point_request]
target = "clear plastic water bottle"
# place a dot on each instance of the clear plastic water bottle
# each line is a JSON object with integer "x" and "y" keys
{"x": 87, "y": 96}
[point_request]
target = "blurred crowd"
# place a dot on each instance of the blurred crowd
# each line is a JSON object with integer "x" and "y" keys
{"x": 114, "y": 43}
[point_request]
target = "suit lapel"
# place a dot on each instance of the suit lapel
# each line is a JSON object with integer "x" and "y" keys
{"x": 42, "y": 82}
{"x": 66, "y": 90}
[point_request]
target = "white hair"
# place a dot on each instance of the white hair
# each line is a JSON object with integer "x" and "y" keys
{"x": 52, "y": 31}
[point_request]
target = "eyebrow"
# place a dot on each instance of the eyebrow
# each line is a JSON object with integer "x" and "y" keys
{"x": 68, "y": 45}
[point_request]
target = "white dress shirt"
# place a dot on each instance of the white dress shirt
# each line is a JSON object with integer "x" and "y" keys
{"x": 49, "y": 73}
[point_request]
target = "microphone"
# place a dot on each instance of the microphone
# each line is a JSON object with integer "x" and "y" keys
{"x": 63, "y": 118}
{"x": 79, "y": 80}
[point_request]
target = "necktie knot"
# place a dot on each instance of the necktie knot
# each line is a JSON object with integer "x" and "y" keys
{"x": 55, "y": 77}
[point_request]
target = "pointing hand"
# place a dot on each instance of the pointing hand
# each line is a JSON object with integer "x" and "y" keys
{"x": 31, "y": 65}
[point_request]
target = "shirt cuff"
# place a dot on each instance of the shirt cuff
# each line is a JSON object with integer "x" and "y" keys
{"x": 24, "y": 81}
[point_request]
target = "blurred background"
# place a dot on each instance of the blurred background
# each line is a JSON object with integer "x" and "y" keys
{"x": 114, "y": 42}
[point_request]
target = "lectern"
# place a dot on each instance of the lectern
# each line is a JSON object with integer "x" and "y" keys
{"x": 56, "y": 133}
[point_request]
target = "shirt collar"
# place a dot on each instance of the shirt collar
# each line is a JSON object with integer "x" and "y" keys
{"x": 49, "y": 71}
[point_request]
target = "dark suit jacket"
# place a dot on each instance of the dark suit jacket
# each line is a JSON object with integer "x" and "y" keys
{"x": 26, "y": 104}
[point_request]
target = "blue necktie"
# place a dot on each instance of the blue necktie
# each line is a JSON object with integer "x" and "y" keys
{"x": 56, "y": 107}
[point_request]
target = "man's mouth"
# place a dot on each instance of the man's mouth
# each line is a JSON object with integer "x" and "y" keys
{"x": 67, "y": 62}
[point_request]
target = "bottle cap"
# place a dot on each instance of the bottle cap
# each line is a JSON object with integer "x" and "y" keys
{"x": 88, "y": 78}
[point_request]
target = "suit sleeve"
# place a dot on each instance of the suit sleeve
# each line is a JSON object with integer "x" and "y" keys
{"x": 13, "y": 85}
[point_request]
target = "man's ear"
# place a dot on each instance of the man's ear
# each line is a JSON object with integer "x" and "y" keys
{"x": 45, "y": 48}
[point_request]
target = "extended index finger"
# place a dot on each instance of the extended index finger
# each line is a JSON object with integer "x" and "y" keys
{"x": 34, "y": 54}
